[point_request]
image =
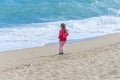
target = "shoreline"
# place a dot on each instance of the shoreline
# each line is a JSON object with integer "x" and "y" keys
{"x": 49, "y": 50}
{"x": 96, "y": 59}
{"x": 54, "y": 43}
{"x": 73, "y": 41}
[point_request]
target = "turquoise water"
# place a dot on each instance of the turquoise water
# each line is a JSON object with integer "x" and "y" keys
{"x": 35, "y": 11}
{"x": 30, "y": 23}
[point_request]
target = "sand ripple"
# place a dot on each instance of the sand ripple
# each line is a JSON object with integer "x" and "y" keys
{"x": 102, "y": 63}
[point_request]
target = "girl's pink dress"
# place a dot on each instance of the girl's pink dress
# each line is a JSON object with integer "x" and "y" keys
{"x": 62, "y": 39}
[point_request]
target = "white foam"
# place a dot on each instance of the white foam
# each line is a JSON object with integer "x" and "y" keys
{"x": 39, "y": 34}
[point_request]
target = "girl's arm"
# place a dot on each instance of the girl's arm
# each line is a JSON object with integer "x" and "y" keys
{"x": 60, "y": 34}
{"x": 66, "y": 34}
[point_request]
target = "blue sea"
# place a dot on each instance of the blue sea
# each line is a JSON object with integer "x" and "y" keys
{"x": 30, "y": 23}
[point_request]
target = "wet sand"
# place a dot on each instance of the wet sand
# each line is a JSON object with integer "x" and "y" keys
{"x": 97, "y": 59}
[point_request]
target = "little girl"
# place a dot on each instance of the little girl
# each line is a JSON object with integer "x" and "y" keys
{"x": 62, "y": 38}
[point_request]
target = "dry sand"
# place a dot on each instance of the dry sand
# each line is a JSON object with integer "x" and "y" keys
{"x": 97, "y": 59}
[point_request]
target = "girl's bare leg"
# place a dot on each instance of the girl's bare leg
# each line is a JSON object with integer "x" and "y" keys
{"x": 61, "y": 44}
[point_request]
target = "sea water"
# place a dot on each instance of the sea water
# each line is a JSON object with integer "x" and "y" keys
{"x": 30, "y": 23}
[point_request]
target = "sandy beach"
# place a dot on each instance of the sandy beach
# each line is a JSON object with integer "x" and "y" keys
{"x": 97, "y": 59}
